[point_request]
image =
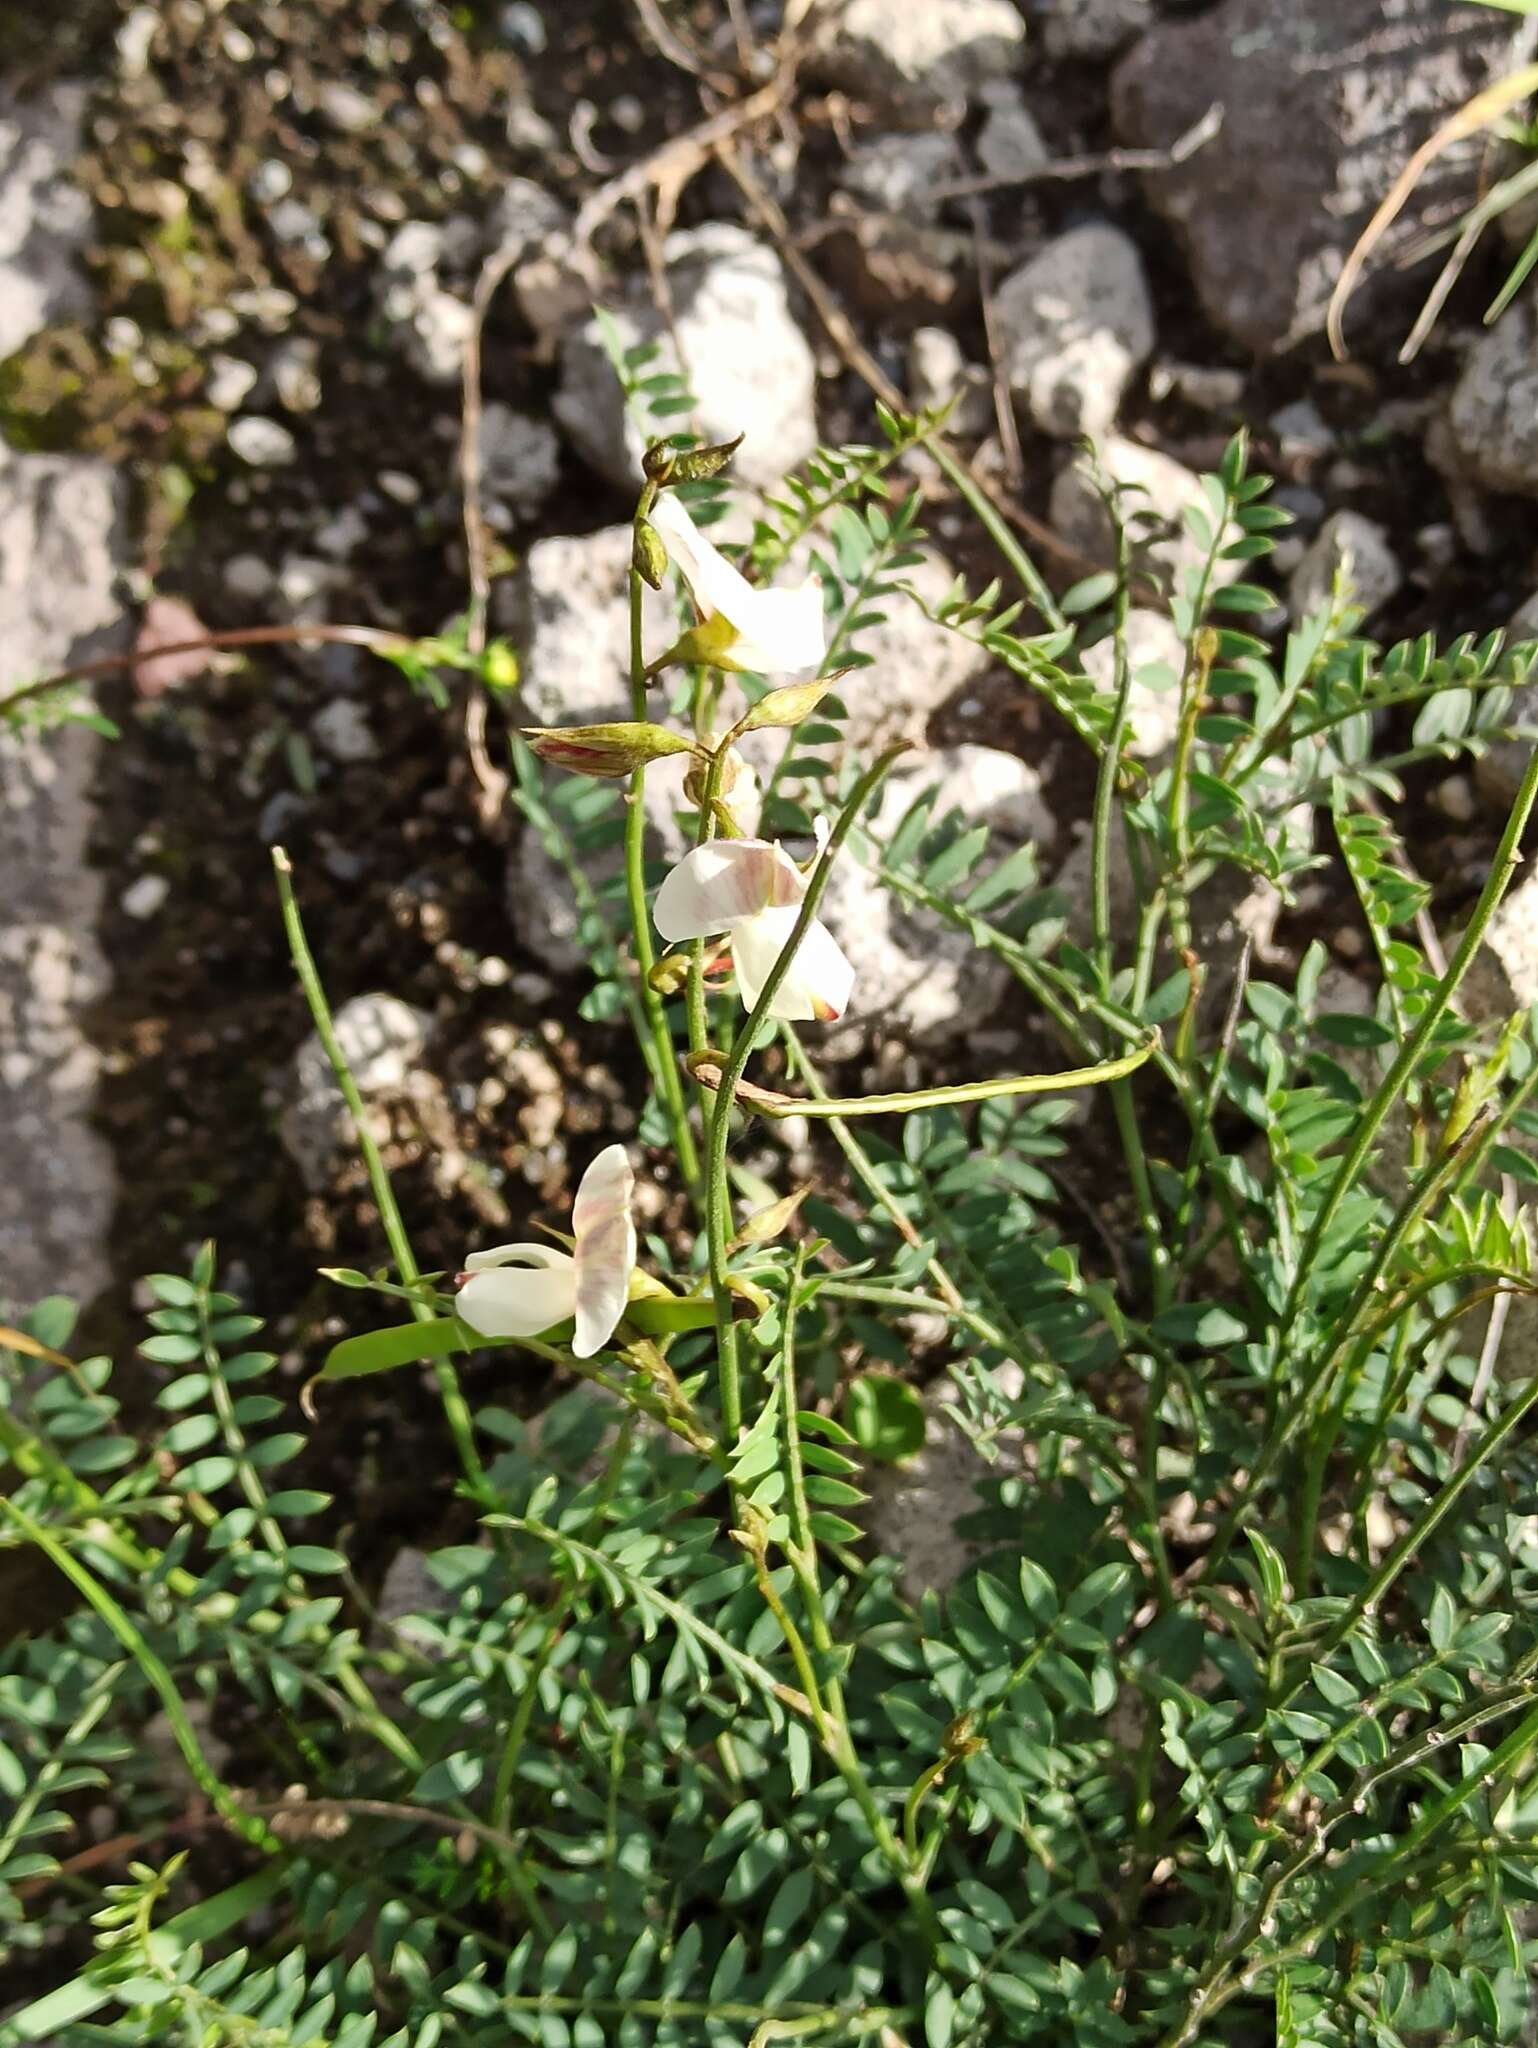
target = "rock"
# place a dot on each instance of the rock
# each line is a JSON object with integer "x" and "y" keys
{"x": 1074, "y": 323}
{"x": 382, "y": 1040}
{"x": 1206, "y": 386}
{"x": 914, "y": 975}
{"x": 1302, "y": 432}
{"x": 145, "y": 897}
{"x": 61, "y": 541}
{"x": 1156, "y": 654}
{"x": 1010, "y": 144}
{"x": 342, "y": 728}
{"x": 345, "y": 107}
{"x": 938, "y": 372}
{"x": 1498, "y": 772}
{"x": 230, "y": 382}
{"x": 1494, "y": 414}
{"x": 914, "y": 1508}
{"x": 1324, "y": 101}
{"x": 910, "y": 56}
{"x": 899, "y": 173}
{"x": 264, "y": 443}
{"x": 569, "y": 611}
{"x": 295, "y": 374}
{"x": 1359, "y": 547}
{"x": 433, "y": 324}
{"x": 1093, "y": 28}
{"x": 748, "y": 362}
{"x": 916, "y": 666}
{"x": 520, "y": 463}
{"x": 168, "y": 622}
{"x": 44, "y": 215}
{"x": 1157, "y": 488}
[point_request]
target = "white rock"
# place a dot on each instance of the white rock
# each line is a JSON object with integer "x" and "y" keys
{"x": 263, "y": 442}
{"x": 230, "y": 382}
{"x": 569, "y": 610}
{"x": 938, "y": 372}
{"x": 1303, "y": 431}
{"x": 342, "y": 728}
{"x": 749, "y": 365}
{"x": 61, "y": 541}
{"x": 899, "y": 173}
{"x": 44, "y": 215}
{"x": 1094, "y": 28}
{"x": 143, "y": 898}
{"x": 520, "y": 462}
{"x": 1074, "y": 323}
{"x": 1156, "y": 655}
{"x": 914, "y": 975}
{"x": 295, "y": 373}
{"x": 1010, "y": 144}
{"x": 1156, "y": 488}
{"x": 346, "y": 108}
{"x": 912, "y": 55}
{"x": 382, "y": 1040}
{"x": 1357, "y": 547}
{"x": 1494, "y": 415}
{"x": 431, "y": 322}
{"x": 916, "y": 666}
{"x": 248, "y": 576}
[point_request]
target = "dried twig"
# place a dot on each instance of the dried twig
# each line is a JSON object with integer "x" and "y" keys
{"x": 1068, "y": 167}
{"x": 840, "y": 331}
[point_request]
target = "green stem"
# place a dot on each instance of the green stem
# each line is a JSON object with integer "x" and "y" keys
{"x": 660, "y": 1056}
{"x": 996, "y": 530}
{"x": 1405, "y": 1066}
{"x": 455, "y": 1407}
{"x": 718, "y": 1198}
{"x": 202, "y": 1772}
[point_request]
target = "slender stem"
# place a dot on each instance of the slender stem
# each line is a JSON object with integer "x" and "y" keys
{"x": 203, "y": 1774}
{"x": 998, "y": 532}
{"x": 455, "y": 1407}
{"x": 1405, "y": 1066}
{"x": 718, "y": 1200}
{"x": 660, "y": 1056}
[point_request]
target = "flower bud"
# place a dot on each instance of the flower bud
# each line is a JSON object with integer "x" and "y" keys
{"x": 695, "y": 465}
{"x": 787, "y": 707}
{"x": 648, "y": 557}
{"x": 604, "y": 750}
{"x": 499, "y": 667}
{"x": 657, "y": 463}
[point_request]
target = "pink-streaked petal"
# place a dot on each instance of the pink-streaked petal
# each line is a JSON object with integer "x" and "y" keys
{"x": 518, "y": 1300}
{"x": 820, "y": 981}
{"x": 717, "y": 885}
{"x": 605, "y": 1257}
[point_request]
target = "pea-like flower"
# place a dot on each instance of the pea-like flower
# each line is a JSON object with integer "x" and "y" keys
{"x": 768, "y": 632}
{"x": 520, "y": 1290}
{"x": 751, "y": 890}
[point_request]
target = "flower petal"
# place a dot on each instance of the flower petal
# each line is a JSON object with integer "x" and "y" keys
{"x": 722, "y": 882}
{"x": 820, "y": 981}
{"x": 605, "y": 1257}
{"x": 518, "y": 1290}
{"x": 778, "y": 629}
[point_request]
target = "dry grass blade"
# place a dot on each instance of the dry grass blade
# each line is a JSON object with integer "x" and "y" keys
{"x": 1477, "y": 113}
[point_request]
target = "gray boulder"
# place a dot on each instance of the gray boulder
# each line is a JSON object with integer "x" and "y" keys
{"x": 1324, "y": 102}
{"x": 911, "y": 57}
{"x": 1494, "y": 414}
{"x": 44, "y": 215}
{"x": 1074, "y": 324}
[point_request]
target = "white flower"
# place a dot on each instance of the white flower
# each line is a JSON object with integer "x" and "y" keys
{"x": 765, "y": 631}
{"x": 752, "y": 890}
{"x": 519, "y": 1290}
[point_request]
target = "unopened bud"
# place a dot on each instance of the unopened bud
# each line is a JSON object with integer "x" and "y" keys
{"x": 657, "y": 463}
{"x": 499, "y": 667}
{"x": 695, "y": 465}
{"x": 648, "y": 557}
{"x": 787, "y": 707}
{"x": 609, "y": 751}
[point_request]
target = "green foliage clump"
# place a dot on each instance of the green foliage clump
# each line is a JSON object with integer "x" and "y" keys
{"x": 1229, "y": 1730}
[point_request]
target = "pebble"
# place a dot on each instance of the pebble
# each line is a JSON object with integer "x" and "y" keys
{"x": 342, "y": 728}
{"x": 141, "y": 899}
{"x": 264, "y": 443}
{"x": 229, "y": 383}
